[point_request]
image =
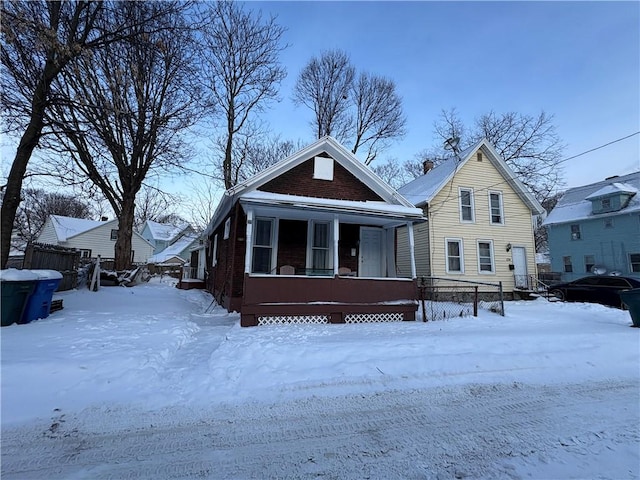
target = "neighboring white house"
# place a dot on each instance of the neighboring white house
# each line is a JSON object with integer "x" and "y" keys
{"x": 161, "y": 235}
{"x": 91, "y": 237}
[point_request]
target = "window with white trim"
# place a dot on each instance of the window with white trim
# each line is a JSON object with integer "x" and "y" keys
{"x": 575, "y": 232}
{"x": 319, "y": 245}
{"x": 85, "y": 253}
{"x": 214, "y": 260}
{"x": 589, "y": 263}
{"x": 485, "y": 256}
{"x": 114, "y": 234}
{"x": 455, "y": 260}
{"x": 634, "y": 260}
{"x": 263, "y": 235}
{"x": 466, "y": 205}
{"x": 495, "y": 207}
{"x": 568, "y": 266}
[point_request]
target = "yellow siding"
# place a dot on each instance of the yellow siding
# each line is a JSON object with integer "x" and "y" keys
{"x": 444, "y": 217}
{"x": 421, "y": 246}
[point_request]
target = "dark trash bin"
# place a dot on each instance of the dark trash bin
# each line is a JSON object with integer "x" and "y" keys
{"x": 17, "y": 286}
{"x": 631, "y": 298}
{"x": 39, "y": 303}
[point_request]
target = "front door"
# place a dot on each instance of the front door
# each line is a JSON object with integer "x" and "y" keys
{"x": 370, "y": 252}
{"x": 519, "y": 259}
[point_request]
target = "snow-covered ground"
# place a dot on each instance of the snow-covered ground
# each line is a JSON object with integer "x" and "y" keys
{"x": 154, "y": 382}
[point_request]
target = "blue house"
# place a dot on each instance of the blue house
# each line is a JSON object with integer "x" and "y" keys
{"x": 596, "y": 229}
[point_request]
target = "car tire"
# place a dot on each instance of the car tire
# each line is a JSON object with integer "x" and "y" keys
{"x": 558, "y": 294}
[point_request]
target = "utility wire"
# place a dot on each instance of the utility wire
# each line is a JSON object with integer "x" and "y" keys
{"x": 598, "y": 148}
{"x": 479, "y": 190}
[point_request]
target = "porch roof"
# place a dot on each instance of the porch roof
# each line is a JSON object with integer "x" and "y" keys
{"x": 349, "y": 211}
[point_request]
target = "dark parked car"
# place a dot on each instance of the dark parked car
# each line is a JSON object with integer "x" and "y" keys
{"x": 603, "y": 289}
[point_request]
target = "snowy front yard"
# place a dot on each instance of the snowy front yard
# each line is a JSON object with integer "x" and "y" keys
{"x": 549, "y": 390}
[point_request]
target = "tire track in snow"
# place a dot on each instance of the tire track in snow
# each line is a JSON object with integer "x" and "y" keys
{"x": 452, "y": 432}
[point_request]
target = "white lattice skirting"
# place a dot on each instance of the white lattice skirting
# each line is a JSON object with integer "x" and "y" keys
{"x": 373, "y": 317}
{"x": 288, "y": 319}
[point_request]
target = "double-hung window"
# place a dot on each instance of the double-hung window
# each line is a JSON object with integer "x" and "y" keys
{"x": 575, "y": 232}
{"x": 495, "y": 208}
{"x": 263, "y": 245}
{"x": 589, "y": 263}
{"x": 485, "y": 256}
{"x": 634, "y": 260}
{"x": 320, "y": 245}
{"x": 466, "y": 205}
{"x": 568, "y": 266}
{"x": 455, "y": 259}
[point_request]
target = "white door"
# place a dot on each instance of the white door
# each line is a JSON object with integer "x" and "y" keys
{"x": 370, "y": 252}
{"x": 519, "y": 259}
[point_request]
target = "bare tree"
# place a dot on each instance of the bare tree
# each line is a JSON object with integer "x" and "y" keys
{"x": 253, "y": 151}
{"x": 37, "y": 205}
{"x": 128, "y": 107}
{"x": 156, "y": 205}
{"x": 242, "y": 70}
{"x": 529, "y": 144}
{"x": 324, "y": 85}
{"x": 397, "y": 173}
{"x": 365, "y": 111}
{"x": 39, "y": 40}
{"x": 378, "y": 117}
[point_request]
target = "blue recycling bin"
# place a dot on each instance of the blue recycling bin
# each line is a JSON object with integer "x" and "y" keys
{"x": 39, "y": 303}
{"x": 17, "y": 286}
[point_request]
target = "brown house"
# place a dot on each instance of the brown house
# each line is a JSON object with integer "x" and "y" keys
{"x": 312, "y": 239}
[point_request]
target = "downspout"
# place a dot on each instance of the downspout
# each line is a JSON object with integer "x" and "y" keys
{"x": 412, "y": 252}
{"x": 336, "y": 239}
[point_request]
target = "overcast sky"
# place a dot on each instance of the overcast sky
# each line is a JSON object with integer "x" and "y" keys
{"x": 579, "y": 61}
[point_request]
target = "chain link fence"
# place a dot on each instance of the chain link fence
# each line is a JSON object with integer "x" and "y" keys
{"x": 442, "y": 298}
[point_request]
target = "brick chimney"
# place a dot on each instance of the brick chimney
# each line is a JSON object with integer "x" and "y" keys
{"x": 426, "y": 166}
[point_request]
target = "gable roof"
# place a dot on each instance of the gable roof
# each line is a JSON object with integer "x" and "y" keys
{"x": 423, "y": 189}
{"x": 67, "y": 227}
{"x": 576, "y": 204}
{"x": 174, "y": 250}
{"x": 165, "y": 231}
{"x": 325, "y": 144}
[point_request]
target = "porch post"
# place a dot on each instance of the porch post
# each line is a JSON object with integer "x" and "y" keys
{"x": 412, "y": 252}
{"x": 248, "y": 242}
{"x": 336, "y": 238}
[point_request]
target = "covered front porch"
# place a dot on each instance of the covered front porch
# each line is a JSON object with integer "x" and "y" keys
{"x": 322, "y": 261}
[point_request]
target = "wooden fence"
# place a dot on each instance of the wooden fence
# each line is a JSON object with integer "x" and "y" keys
{"x": 40, "y": 256}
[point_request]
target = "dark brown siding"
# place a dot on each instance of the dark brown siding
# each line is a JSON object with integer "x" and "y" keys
{"x": 292, "y": 244}
{"x": 299, "y": 181}
{"x": 227, "y": 277}
{"x": 349, "y": 236}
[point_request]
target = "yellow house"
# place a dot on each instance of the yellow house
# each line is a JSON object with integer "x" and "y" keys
{"x": 480, "y": 221}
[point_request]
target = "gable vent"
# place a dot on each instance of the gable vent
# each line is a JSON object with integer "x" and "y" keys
{"x": 323, "y": 168}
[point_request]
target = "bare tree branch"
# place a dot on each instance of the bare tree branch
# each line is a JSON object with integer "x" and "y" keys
{"x": 241, "y": 68}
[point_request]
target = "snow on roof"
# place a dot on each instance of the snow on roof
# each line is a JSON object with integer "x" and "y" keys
{"x": 333, "y": 204}
{"x": 424, "y": 188}
{"x": 325, "y": 144}
{"x": 67, "y": 227}
{"x": 576, "y": 204}
{"x": 612, "y": 189}
{"x": 173, "y": 250}
{"x": 165, "y": 231}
